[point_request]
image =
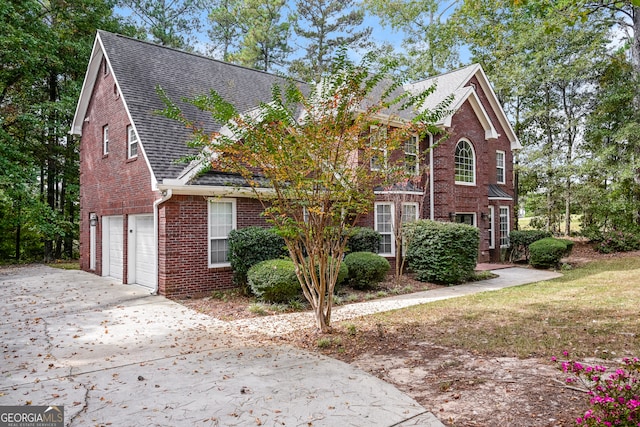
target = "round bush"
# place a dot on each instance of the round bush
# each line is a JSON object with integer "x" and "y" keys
{"x": 366, "y": 269}
{"x": 364, "y": 239}
{"x": 274, "y": 280}
{"x": 546, "y": 253}
{"x": 251, "y": 245}
{"x": 442, "y": 252}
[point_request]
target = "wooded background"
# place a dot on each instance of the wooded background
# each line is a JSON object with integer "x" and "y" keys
{"x": 567, "y": 73}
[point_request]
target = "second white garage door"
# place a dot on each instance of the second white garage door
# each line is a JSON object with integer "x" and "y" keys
{"x": 142, "y": 252}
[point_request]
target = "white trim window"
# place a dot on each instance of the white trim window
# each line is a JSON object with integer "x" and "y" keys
{"x": 383, "y": 219}
{"x": 411, "y": 155}
{"x": 105, "y": 140}
{"x": 132, "y": 143}
{"x": 378, "y": 134}
{"x": 492, "y": 231}
{"x": 409, "y": 212}
{"x": 221, "y": 220}
{"x": 504, "y": 226}
{"x": 500, "y": 167}
{"x": 465, "y": 163}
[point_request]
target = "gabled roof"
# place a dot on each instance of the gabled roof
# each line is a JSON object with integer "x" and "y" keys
{"x": 140, "y": 67}
{"x": 457, "y": 83}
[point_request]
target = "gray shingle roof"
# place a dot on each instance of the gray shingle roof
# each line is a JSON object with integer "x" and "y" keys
{"x": 140, "y": 67}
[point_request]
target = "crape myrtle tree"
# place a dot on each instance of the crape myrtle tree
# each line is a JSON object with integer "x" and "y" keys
{"x": 307, "y": 156}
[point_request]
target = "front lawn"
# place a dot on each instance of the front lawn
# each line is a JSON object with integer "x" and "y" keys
{"x": 484, "y": 359}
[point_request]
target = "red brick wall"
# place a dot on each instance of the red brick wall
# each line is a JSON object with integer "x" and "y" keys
{"x": 109, "y": 184}
{"x": 450, "y": 197}
{"x": 182, "y": 247}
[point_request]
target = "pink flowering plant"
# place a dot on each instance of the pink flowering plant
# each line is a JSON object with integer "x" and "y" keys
{"x": 614, "y": 396}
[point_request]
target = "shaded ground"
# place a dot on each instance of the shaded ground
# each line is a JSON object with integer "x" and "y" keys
{"x": 461, "y": 387}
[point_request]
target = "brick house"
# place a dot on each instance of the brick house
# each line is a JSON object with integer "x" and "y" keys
{"x": 151, "y": 218}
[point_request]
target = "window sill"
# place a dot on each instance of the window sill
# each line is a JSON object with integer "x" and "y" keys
{"x": 132, "y": 159}
{"x": 225, "y": 265}
{"x": 466, "y": 184}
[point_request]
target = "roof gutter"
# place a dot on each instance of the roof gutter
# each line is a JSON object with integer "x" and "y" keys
{"x": 214, "y": 191}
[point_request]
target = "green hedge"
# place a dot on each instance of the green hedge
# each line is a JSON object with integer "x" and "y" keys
{"x": 364, "y": 239}
{"x": 442, "y": 252}
{"x": 251, "y": 245}
{"x": 547, "y": 252}
{"x": 366, "y": 269}
{"x": 274, "y": 280}
{"x": 520, "y": 240}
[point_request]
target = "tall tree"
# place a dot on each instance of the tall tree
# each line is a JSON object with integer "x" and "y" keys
{"x": 430, "y": 44}
{"x": 225, "y": 30}
{"x": 264, "y": 44}
{"x": 40, "y": 77}
{"x": 323, "y": 26}
{"x": 315, "y": 177}
{"x": 173, "y": 23}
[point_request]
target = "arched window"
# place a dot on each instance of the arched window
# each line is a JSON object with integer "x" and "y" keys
{"x": 465, "y": 160}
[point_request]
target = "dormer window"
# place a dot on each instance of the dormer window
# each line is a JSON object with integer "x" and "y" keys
{"x": 132, "y": 143}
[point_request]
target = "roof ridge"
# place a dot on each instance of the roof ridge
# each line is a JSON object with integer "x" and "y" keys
{"x": 197, "y": 55}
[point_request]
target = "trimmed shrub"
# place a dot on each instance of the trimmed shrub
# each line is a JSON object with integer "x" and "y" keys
{"x": 364, "y": 239}
{"x": 251, "y": 245}
{"x": 442, "y": 252}
{"x": 519, "y": 240}
{"x": 366, "y": 269}
{"x": 274, "y": 280}
{"x": 547, "y": 252}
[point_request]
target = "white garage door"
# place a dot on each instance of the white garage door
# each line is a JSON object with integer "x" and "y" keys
{"x": 142, "y": 257}
{"x": 112, "y": 246}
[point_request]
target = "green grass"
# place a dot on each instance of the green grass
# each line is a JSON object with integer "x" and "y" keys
{"x": 590, "y": 311}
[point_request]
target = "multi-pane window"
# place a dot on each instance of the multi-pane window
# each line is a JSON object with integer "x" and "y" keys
{"x": 384, "y": 226}
{"x": 105, "y": 139}
{"x": 411, "y": 155}
{"x": 500, "y": 170}
{"x": 504, "y": 226}
{"x": 492, "y": 235}
{"x": 222, "y": 219}
{"x": 132, "y": 142}
{"x": 377, "y": 139}
{"x": 466, "y": 218}
{"x": 465, "y": 163}
{"x": 409, "y": 212}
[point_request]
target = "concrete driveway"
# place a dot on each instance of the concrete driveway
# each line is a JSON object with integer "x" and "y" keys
{"x": 113, "y": 355}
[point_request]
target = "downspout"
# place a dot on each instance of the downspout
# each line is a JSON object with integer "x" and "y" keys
{"x": 166, "y": 195}
{"x": 431, "y": 180}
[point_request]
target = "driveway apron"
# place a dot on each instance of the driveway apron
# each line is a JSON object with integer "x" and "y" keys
{"x": 112, "y": 354}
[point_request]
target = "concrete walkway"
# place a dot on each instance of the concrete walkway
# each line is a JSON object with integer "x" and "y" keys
{"x": 284, "y": 323}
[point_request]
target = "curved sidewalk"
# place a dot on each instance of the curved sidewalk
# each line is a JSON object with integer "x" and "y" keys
{"x": 285, "y": 323}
